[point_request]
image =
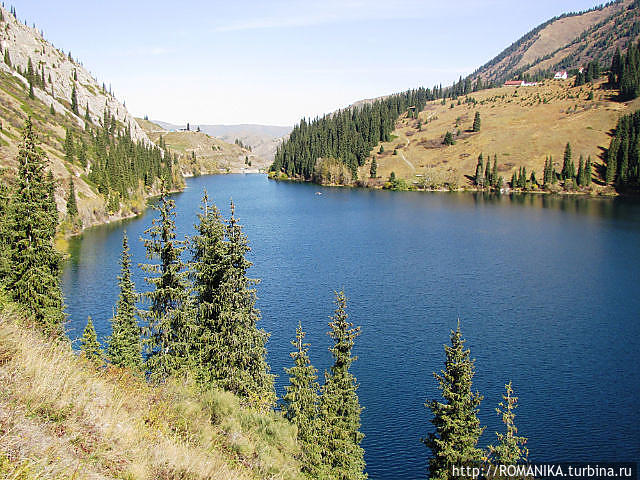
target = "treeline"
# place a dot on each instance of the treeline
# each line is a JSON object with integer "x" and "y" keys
{"x": 347, "y": 135}
{"x": 625, "y": 72}
{"x": 623, "y": 157}
{"x": 117, "y": 165}
{"x": 486, "y": 175}
{"x": 588, "y": 74}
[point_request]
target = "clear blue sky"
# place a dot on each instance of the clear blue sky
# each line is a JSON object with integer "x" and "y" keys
{"x": 273, "y": 62}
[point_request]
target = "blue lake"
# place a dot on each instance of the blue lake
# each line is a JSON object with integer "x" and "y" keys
{"x": 547, "y": 290}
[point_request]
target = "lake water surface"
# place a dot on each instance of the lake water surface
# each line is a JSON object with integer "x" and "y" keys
{"x": 547, "y": 290}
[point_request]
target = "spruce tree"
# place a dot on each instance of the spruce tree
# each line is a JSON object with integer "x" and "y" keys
{"x": 511, "y": 448}
{"x": 89, "y": 345}
{"x": 476, "y": 122}
{"x": 494, "y": 171}
{"x": 580, "y": 178}
{"x": 35, "y": 264}
{"x": 231, "y": 349}
{"x": 207, "y": 270}
{"x": 457, "y": 428}
{"x": 374, "y": 168}
{"x": 74, "y": 100}
{"x": 249, "y": 371}
{"x": 125, "y": 345}
{"x": 339, "y": 409}
{"x": 4, "y": 233}
{"x": 168, "y": 331}
{"x": 566, "y": 165}
{"x": 487, "y": 172}
{"x": 68, "y": 146}
{"x": 72, "y": 206}
{"x": 300, "y": 404}
{"x": 479, "y": 179}
{"x": 587, "y": 172}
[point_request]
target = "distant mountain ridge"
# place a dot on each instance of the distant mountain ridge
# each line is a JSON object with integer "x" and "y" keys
{"x": 263, "y": 139}
{"x": 567, "y": 42}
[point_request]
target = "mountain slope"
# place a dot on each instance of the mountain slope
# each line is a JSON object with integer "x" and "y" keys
{"x": 200, "y": 153}
{"x": 263, "y": 139}
{"x": 522, "y": 126}
{"x": 85, "y": 422}
{"x": 567, "y": 42}
{"x": 60, "y": 95}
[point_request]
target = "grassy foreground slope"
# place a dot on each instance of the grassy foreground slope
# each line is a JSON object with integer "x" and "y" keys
{"x": 521, "y": 125}
{"x": 200, "y": 153}
{"x": 62, "y": 418}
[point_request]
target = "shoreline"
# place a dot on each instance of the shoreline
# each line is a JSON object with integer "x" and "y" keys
{"x": 507, "y": 191}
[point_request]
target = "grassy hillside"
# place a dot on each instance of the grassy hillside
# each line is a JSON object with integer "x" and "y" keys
{"x": 569, "y": 41}
{"x": 85, "y": 422}
{"x": 212, "y": 155}
{"x": 521, "y": 125}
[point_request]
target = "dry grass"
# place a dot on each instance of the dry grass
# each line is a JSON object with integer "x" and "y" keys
{"x": 212, "y": 154}
{"x": 517, "y": 125}
{"x": 60, "y": 417}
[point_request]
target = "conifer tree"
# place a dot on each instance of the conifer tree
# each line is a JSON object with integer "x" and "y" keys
{"x": 587, "y": 172}
{"x": 339, "y": 409}
{"x": 89, "y": 345}
{"x": 68, "y": 146}
{"x": 4, "y": 237}
{"x": 457, "y": 428}
{"x": 476, "y": 122}
{"x": 167, "y": 331}
{"x": 72, "y": 206}
{"x": 374, "y": 168}
{"x": 479, "y": 169}
{"x": 74, "y": 100}
{"x": 231, "y": 350}
{"x": 580, "y": 177}
{"x": 494, "y": 171}
{"x": 300, "y": 404}
{"x": 514, "y": 181}
{"x": 487, "y": 172}
{"x": 566, "y": 165}
{"x": 31, "y": 225}
{"x": 125, "y": 346}
{"x": 207, "y": 270}
{"x": 7, "y": 58}
{"x": 511, "y": 448}
{"x": 51, "y": 110}
{"x": 249, "y": 371}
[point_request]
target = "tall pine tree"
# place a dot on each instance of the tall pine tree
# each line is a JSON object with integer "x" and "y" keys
{"x": 168, "y": 328}
{"x": 32, "y": 219}
{"x": 339, "y": 409}
{"x": 300, "y": 404}
{"x": 124, "y": 345}
{"x": 231, "y": 349}
{"x": 457, "y": 428}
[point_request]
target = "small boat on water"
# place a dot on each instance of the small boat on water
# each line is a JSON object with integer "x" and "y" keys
{"x": 318, "y": 193}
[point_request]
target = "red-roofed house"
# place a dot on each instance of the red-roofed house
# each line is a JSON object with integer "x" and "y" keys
{"x": 514, "y": 83}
